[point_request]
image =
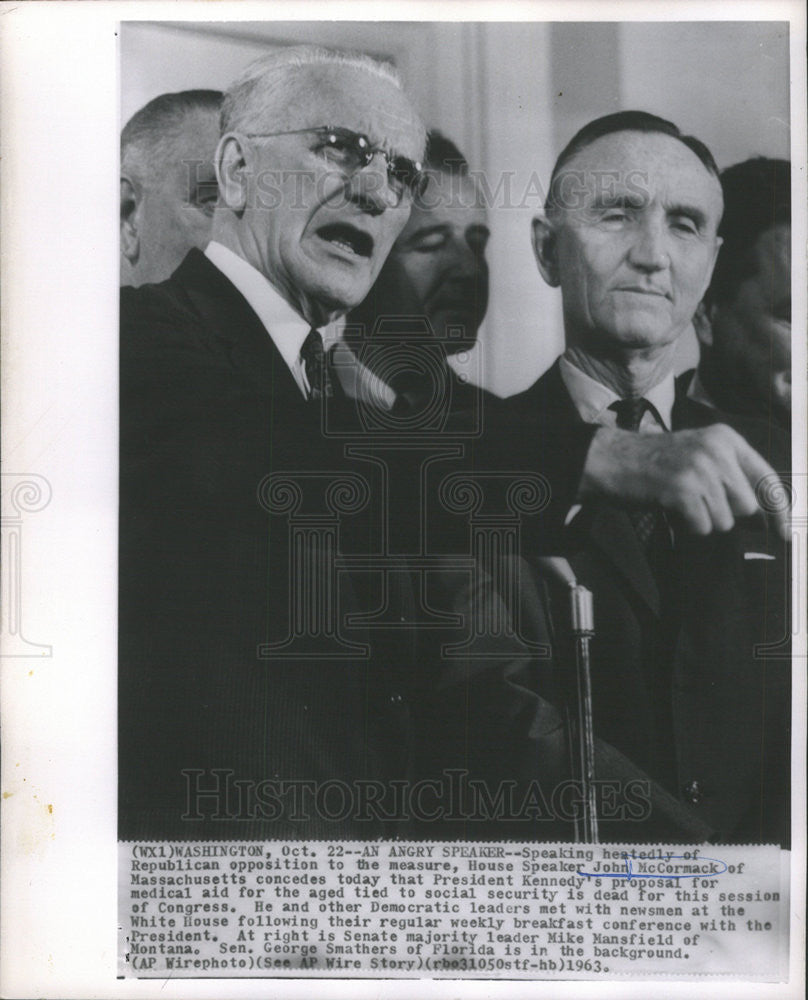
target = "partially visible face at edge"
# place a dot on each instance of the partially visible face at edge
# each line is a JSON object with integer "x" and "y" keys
{"x": 751, "y": 331}
{"x": 176, "y": 211}
{"x": 437, "y": 267}
{"x": 319, "y": 237}
{"x": 636, "y": 243}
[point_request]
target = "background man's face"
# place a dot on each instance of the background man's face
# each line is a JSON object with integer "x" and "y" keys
{"x": 752, "y": 330}
{"x": 440, "y": 259}
{"x": 315, "y": 234}
{"x": 177, "y": 206}
{"x": 636, "y": 240}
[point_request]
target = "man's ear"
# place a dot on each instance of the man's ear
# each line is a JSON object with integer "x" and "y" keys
{"x": 545, "y": 247}
{"x": 130, "y": 220}
{"x": 231, "y": 172}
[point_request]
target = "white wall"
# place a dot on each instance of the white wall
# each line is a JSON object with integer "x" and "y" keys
{"x": 523, "y": 334}
{"x": 511, "y": 95}
{"x": 160, "y": 58}
{"x": 726, "y": 83}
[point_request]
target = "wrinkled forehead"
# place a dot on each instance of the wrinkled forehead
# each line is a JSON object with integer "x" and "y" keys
{"x": 357, "y": 99}
{"x": 643, "y": 167}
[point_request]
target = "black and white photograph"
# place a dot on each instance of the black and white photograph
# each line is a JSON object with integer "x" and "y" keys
{"x": 328, "y": 602}
{"x": 436, "y": 535}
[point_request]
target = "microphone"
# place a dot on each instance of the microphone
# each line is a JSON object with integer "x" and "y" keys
{"x": 579, "y": 696}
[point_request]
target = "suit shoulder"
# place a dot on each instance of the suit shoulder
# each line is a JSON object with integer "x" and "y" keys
{"x": 163, "y": 304}
{"x": 158, "y": 323}
{"x": 538, "y": 398}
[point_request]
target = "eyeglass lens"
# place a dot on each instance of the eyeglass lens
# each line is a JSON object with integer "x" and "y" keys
{"x": 352, "y": 151}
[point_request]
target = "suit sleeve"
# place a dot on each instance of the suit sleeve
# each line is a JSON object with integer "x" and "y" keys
{"x": 517, "y": 444}
{"x": 496, "y": 715}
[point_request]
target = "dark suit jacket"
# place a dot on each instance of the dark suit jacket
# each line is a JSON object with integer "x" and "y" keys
{"x": 684, "y": 695}
{"x": 208, "y": 410}
{"x": 208, "y": 578}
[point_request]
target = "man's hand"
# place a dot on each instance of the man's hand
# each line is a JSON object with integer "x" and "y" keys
{"x": 708, "y": 477}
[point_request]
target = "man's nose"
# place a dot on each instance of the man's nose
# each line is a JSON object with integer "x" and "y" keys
{"x": 650, "y": 251}
{"x": 461, "y": 260}
{"x": 369, "y": 187}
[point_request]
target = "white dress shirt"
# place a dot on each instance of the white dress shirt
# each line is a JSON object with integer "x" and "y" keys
{"x": 592, "y": 399}
{"x": 285, "y": 326}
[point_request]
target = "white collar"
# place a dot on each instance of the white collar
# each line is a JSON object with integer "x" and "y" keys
{"x": 285, "y": 326}
{"x": 592, "y": 399}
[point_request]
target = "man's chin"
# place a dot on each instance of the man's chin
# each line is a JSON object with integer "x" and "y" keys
{"x": 339, "y": 297}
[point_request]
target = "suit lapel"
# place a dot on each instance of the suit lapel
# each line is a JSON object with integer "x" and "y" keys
{"x": 687, "y": 413}
{"x": 611, "y": 531}
{"x": 548, "y": 399}
{"x": 236, "y": 331}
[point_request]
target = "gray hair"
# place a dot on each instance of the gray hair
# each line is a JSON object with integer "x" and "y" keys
{"x": 147, "y": 139}
{"x": 262, "y": 82}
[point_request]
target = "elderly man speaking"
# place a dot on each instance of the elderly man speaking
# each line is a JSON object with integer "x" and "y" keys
{"x": 264, "y": 686}
{"x": 222, "y": 381}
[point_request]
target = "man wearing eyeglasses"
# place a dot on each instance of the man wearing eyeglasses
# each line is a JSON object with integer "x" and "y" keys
{"x": 222, "y": 385}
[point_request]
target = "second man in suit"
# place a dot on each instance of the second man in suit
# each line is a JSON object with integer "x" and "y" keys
{"x": 682, "y": 685}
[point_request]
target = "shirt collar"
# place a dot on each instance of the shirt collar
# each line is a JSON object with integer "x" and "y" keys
{"x": 285, "y": 326}
{"x": 592, "y": 399}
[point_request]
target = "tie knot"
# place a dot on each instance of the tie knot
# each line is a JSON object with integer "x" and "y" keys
{"x": 312, "y": 348}
{"x": 630, "y": 412}
{"x": 313, "y": 358}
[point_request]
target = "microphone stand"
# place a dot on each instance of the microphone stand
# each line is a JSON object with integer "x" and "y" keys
{"x": 582, "y": 630}
{"x": 579, "y": 693}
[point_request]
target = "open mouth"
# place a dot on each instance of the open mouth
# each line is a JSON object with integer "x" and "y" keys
{"x": 347, "y": 238}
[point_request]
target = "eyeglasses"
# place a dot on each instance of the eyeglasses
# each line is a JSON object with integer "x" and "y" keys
{"x": 351, "y": 151}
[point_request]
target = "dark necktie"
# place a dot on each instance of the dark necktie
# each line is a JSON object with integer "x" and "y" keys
{"x": 629, "y": 412}
{"x": 651, "y": 528}
{"x": 629, "y": 415}
{"x": 314, "y": 364}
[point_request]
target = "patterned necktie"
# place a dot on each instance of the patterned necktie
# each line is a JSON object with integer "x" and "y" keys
{"x": 630, "y": 412}
{"x": 313, "y": 357}
{"x": 629, "y": 415}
